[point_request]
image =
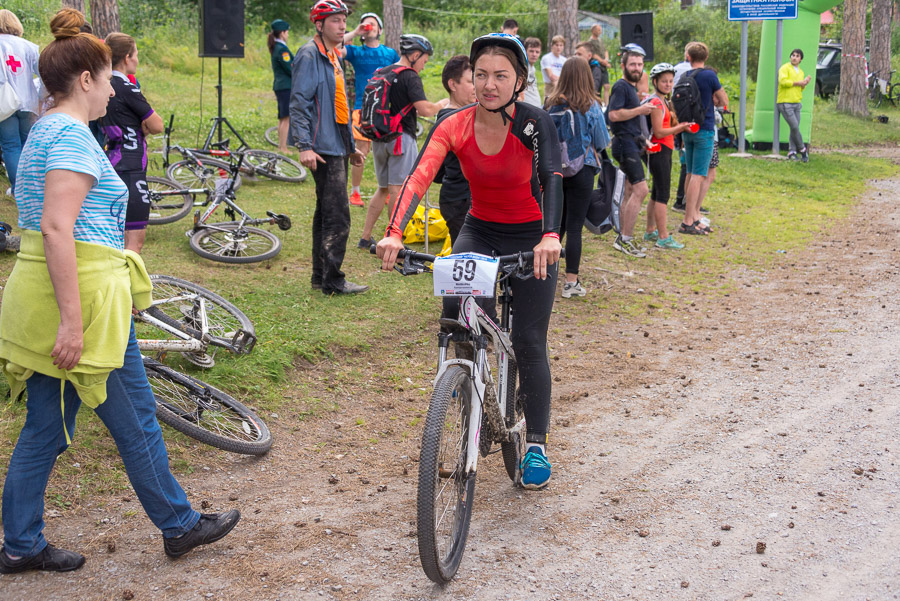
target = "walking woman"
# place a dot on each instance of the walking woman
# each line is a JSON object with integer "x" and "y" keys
{"x": 129, "y": 119}
{"x": 66, "y": 333}
{"x": 509, "y": 153}
{"x": 791, "y": 83}
{"x": 281, "y": 68}
{"x": 19, "y": 62}
{"x": 576, "y": 111}
{"x": 664, "y": 127}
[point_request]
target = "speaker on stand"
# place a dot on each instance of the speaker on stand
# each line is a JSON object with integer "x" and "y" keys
{"x": 637, "y": 28}
{"x": 222, "y": 36}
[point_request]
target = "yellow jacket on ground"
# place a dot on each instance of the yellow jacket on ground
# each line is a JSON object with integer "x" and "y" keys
{"x": 787, "y": 91}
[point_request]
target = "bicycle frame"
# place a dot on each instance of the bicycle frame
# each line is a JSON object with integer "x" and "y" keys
{"x": 188, "y": 342}
{"x": 490, "y": 393}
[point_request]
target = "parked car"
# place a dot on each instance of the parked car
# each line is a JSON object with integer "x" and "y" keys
{"x": 828, "y": 69}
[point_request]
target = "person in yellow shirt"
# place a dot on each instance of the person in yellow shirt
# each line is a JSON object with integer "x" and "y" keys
{"x": 791, "y": 83}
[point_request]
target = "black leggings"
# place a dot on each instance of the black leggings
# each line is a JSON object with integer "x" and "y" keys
{"x": 576, "y": 201}
{"x": 531, "y": 307}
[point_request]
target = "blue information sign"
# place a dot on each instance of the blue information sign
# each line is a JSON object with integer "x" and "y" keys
{"x": 761, "y": 10}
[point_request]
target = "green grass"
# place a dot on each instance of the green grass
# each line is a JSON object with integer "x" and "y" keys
{"x": 308, "y": 359}
{"x": 838, "y": 130}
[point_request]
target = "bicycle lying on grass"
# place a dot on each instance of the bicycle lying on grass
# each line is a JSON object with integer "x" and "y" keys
{"x": 474, "y": 403}
{"x": 200, "y": 166}
{"x": 234, "y": 241}
{"x": 196, "y": 319}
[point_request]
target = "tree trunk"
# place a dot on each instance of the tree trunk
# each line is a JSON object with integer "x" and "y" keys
{"x": 563, "y": 20}
{"x": 852, "y": 98}
{"x": 104, "y": 17}
{"x": 393, "y": 23}
{"x": 76, "y": 4}
{"x": 880, "y": 48}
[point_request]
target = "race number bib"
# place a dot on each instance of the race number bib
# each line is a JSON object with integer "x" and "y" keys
{"x": 465, "y": 274}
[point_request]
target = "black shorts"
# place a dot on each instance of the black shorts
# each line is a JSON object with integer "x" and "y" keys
{"x": 604, "y": 76}
{"x": 138, "y": 212}
{"x": 284, "y": 103}
{"x": 661, "y": 170}
{"x": 628, "y": 155}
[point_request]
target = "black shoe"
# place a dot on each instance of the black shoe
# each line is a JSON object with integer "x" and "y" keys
{"x": 316, "y": 285}
{"x": 678, "y": 206}
{"x": 704, "y": 211}
{"x": 210, "y": 528}
{"x": 347, "y": 288}
{"x": 365, "y": 244}
{"x": 50, "y": 559}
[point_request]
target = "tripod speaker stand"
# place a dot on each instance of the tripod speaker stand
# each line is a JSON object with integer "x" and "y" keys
{"x": 222, "y": 36}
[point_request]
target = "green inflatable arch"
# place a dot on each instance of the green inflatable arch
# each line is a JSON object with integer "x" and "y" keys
{"x": 803, "y": 33}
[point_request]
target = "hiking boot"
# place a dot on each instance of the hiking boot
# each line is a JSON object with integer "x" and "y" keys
{"x": 50, "y": 559}
{"x": 669, "y": 243}
{"x": 651, "y": 237}
{"x": 628, "y": 247}
{"x": 365, "y": 244}
{"x": 535, "y": 469}
{"x": 346, "y": 288}
{"x": 356, "y": 200}
{"x": 571, "y": 289}
{"x": 208, "y": 529}
{"x": 678, "y": 206}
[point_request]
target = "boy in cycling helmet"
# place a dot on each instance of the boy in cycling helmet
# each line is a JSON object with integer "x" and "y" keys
{"x": 394, "y": 159}
{"x": 509, "y": 153}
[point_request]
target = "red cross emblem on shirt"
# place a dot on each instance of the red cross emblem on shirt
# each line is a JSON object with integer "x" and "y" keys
{"x": 13, "y": 63}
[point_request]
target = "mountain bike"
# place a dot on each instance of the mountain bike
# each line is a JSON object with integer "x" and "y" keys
{"x": 474, "y": 403}
{"x": 189, "y": 319}
{"x": 200, "y": 165}
{"x": 881, "y": 89}
{"x": 205, "y": 413}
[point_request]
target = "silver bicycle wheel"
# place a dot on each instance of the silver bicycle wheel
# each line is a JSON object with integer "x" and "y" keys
{"x": 202, "y": 173}
{"x": 170, "y": 206}
{"x": 229, "y": 242}
{"x": 271, "y": 135}
{"x": 275, "y": 166}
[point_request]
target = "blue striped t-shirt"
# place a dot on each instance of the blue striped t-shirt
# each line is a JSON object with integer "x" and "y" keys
{"x": 59, "y": 141}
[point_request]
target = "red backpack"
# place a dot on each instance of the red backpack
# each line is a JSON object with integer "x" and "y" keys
{"x": 376, "y": 119}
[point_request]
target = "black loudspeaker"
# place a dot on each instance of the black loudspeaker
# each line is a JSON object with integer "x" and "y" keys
{"x": 222, "y": 28}
{"x": 637, "y": 28}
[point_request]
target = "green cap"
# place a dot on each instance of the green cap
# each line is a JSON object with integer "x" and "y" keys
{"x": 280, "y": 25}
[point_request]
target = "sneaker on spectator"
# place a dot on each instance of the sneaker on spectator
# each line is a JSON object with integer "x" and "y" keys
{"x": 804, "y": 155}
{"x": 535, "y": 469}
{"x": 571, "y": 289}
{"x": 669, "y": 243}
{"x": 628, "y": 247}
{"x": 703, "y": 211}
{"x": 651, "y": 237}
{"x": 356, "y": 200}
{"x": 678, "y": 206}
{"x": 792, "y": 156}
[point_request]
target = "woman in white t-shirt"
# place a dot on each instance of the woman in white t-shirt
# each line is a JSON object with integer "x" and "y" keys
{"x": 19, "y": 62}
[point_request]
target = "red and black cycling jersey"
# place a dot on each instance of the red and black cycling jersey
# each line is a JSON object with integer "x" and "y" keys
{"x": 519, "y": 184}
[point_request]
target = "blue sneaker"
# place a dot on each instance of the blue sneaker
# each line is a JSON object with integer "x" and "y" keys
{"x": 535, "y": 469}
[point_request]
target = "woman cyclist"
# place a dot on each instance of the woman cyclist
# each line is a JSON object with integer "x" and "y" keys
{"x": 509, "y": 153}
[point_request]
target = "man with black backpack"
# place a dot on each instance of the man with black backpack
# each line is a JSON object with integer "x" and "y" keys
{"x": 695, "y": 99}
{"x": 398, "y": 89}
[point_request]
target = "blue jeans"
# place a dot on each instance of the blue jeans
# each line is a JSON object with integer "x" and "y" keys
{"x": 13, "y": 133}
{"x": 698, "y": 151}
{"x": 130, "y": 415}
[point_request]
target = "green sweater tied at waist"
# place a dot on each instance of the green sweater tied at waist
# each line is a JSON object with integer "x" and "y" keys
{"x": 110, "y": 281}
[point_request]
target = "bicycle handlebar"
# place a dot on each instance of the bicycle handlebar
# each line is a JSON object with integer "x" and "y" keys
{"x": 413, "y": 262}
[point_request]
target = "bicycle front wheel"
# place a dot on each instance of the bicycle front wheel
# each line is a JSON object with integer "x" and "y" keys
{"x": 229, "y": 242}
{"x": 170, "y": 207}
{"x": 275, "y": 166}
{"x": 205, "y": 413}
{"x": 175, "y": 302}
{"x": 201, "y": 173}
{"x": 446, "y": 492}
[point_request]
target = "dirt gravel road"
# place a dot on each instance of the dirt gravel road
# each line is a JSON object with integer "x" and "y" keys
{"x": 746, "y": 448}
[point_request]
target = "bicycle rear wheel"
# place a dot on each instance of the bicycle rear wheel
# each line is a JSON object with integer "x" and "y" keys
{"x": 205, "y": 413}
{"x": 175, "y": 303}
{"x": 275, "y": 166}
{"x": 190, "y": 174}
{"x": 229, "y": 242}
{"x": 271, "y": 135}
{"x": 445, "y": 492}
{"x": 514, "y": 450}
{"x": 168, "y": 208}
